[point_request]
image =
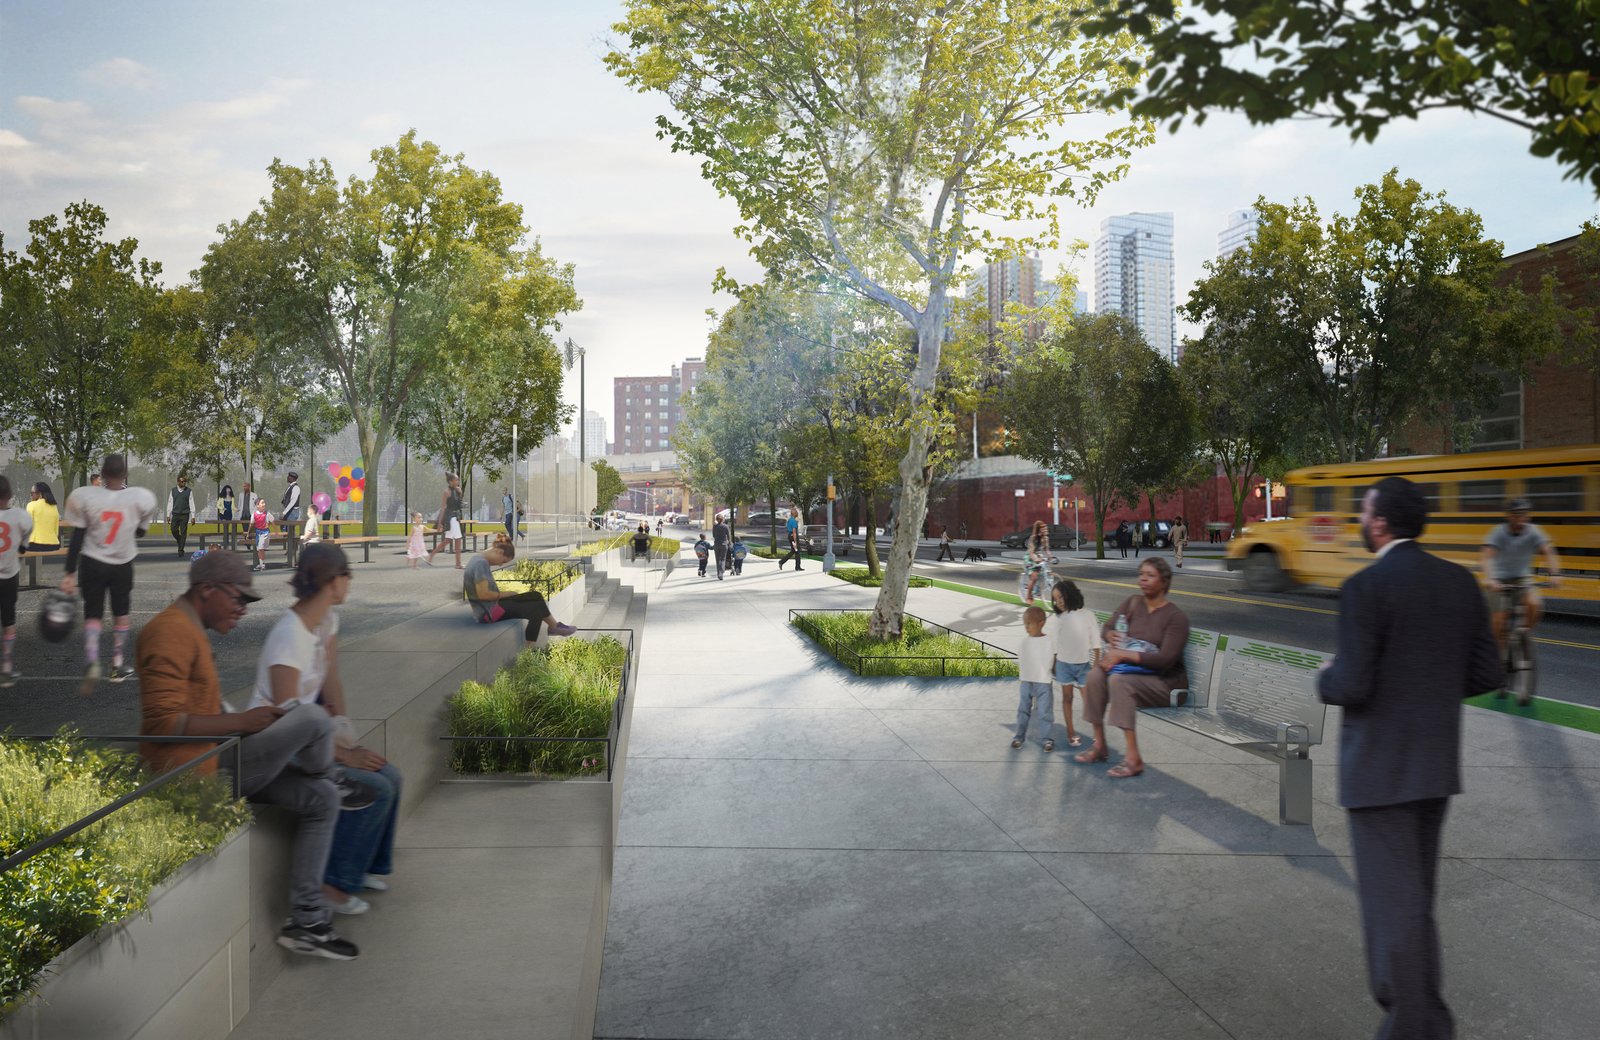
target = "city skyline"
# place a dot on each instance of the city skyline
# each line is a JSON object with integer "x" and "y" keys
{"x": 157, "y": 115}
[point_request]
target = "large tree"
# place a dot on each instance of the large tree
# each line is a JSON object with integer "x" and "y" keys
{"x": 388, "y": 282}
{"x": 1371, "y": 322}
{"x": 1532, "y": 63}
{"x": 869, "y": 139}
{"x": 1243, "y": 421}
{"x": 1081, "y": 402}
{"x": 72, "y": 306}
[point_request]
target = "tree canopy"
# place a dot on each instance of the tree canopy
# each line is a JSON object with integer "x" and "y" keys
{"x": 1532, "y": 63}
{"x": 879, "y": 142}
{"x": 390, "y": 283}
{"x": 73, "y": 305}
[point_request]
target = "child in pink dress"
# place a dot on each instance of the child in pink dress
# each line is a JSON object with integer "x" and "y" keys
{"x": 415, "y": 549}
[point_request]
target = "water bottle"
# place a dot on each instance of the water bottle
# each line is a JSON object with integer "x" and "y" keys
{"x": 1121, "y": 627}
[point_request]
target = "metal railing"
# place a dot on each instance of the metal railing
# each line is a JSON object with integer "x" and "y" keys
{"x": 613, "y": 731}
{"x": 1000, "y": 663}
{"x": 224, "y": 745}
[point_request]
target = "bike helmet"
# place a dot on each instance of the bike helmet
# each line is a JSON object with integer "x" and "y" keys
{"x": 58, "y": 615}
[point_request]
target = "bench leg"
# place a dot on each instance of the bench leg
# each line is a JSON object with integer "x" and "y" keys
{"x": 1294, "y": 790}
{"x": 366, "y": 552}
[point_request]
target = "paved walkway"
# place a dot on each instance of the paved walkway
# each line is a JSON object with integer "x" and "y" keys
{"x": 805, "y": 853}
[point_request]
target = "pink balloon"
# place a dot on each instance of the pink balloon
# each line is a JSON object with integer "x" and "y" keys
{"x": 344, "y": 493}
{"x": 321, "y": 501}
{"x": 333, "y": 469}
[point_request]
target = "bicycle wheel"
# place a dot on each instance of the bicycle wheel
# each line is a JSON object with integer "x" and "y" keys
{"x": 1523, "y": 667}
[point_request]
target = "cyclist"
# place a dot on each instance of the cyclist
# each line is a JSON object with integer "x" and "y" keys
{"x": 1507, "y": 558}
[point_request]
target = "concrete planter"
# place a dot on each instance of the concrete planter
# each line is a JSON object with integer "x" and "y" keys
{"x": 181, "y": 972}
{"x": 566, "y": 604}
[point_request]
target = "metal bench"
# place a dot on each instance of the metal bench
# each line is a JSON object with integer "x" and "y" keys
{"x": 1258, "y": 697}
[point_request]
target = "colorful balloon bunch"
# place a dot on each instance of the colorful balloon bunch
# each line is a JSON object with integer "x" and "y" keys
{"x": 352, "y": 485}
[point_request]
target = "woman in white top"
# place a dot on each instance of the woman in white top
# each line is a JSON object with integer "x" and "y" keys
{"x": 1076, "y": 636}
{"x": 300, "y": 664}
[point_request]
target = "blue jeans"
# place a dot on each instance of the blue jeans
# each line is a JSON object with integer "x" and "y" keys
{"x": 363, "y": 843}
{"x": 1035, "y": 700}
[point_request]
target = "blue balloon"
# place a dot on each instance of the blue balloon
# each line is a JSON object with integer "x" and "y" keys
{"x": 356, "y": 473}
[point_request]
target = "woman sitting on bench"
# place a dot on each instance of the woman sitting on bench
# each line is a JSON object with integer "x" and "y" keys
{"x": 491, "y": 605}
{"x": 1139, "y": 668}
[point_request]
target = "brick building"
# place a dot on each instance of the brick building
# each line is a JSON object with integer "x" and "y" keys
{"x": 648, "y": 409}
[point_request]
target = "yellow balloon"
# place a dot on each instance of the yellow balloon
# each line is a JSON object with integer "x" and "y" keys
{"x": 344, "y": 471}
{"x": 355, "y": 494}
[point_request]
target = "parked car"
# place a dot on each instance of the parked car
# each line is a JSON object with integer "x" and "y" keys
{"x": 763, "y": 520}
{"x": 1157, "y": 533}
{"x": 1061, "y": 537}
{"x": 814, "y": 539}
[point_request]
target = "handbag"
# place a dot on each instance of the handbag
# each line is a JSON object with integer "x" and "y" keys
{"x": 496, "y": 613}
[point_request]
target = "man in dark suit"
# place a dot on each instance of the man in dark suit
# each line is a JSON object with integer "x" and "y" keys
{"x": 1414, "y": 642}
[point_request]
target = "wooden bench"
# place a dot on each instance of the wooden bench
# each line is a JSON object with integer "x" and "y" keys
{"x": 365, "y": 541}
{"x": 32, "y": 559}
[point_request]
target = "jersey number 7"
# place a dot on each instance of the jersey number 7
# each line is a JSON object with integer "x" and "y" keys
{"x": 114, "y": 518}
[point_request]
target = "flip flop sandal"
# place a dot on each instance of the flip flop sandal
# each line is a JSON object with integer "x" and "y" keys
{"x": 1122, "y": 771}
{"x": 1089, "y": 756}
{"x": 1074, "y": 741}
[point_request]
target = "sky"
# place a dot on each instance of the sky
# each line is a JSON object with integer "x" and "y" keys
{"x": 166, "y": 114}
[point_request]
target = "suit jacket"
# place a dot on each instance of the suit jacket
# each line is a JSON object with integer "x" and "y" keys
{"x": 1414, "y": 641}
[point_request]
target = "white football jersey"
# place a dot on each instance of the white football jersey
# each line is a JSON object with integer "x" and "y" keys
{"x": 15, "y": 526}
{"x": 110, "y": 520}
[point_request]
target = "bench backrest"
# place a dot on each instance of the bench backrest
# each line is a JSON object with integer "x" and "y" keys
{"x": 1268, "y": 682}
{"x": 1199, "y": 658}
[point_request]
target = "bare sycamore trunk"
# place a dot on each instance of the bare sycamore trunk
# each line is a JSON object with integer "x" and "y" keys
{"x": 373, "y": 442}
{"x": 912, "y": 513}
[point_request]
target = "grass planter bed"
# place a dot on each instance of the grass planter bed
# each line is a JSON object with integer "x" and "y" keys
{"x": 923, "y": 649}
{"x": 80, "y": 920}
{"x": 553, "y": 712}
{"x": 660, "y": 548}
{"x": 863, "y": 577}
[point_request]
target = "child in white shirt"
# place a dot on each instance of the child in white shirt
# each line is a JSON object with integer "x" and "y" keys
{"x": 1033, "y": 667}
{"x": 1076, "y": 640}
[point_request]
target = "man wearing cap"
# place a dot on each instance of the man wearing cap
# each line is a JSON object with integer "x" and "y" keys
{"x": 1506, "y": 558}
{"x": 286, "y": 756}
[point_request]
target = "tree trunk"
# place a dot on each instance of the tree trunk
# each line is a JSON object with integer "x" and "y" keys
{"x": 870, "y": 547}
{"x": 1099, "y": 526}
{"x": 772, "y": 521}
{"x": 373, "y": 442}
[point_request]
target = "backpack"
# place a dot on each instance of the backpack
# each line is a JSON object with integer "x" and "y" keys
{"x": 701, "y": 549}
{"x": 739, "y": 551}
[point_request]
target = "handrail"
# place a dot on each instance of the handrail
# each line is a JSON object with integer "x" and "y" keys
{"x": 231, "y": 744}
{"x": 613, "y": 730}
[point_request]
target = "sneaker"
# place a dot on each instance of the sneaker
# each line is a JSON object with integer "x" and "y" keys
{"x": 563, "y": 629}
{"x": 9, "y": 679}
{"x": 375, "y": 883}
{"x": 1016, "y": 744}
{"x": 317, "y": 940}
{"x": 120, "y": 673}
{"x": 1049, "y": 745}
{"x": 353, "y": 794}
{"x": 91, "y": 675}
{"x": 352, "y": 905}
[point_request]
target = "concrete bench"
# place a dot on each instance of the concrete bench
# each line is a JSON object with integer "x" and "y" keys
{"x": 32, "y": 560}
{"x": 365, "y": 541}
{"x": 1260, "y": 698}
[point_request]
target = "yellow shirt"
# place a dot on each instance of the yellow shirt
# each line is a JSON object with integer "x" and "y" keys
{"x": 46, "y": 523}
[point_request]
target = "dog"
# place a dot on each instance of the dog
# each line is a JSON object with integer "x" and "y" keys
{"x": 973, "y": 554}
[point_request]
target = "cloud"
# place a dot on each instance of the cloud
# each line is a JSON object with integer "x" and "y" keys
{"x": 120, "y": 73}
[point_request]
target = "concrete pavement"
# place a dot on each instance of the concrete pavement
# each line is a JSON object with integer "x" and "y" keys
{"x": 806, "y": 853}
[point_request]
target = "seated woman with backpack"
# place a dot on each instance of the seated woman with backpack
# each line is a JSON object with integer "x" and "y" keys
{"x": 491, "y": 605}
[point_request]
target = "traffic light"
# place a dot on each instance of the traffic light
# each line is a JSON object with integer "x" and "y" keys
{"x": 649, "y": 483}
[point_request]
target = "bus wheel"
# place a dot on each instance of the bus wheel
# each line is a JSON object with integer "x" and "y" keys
{"x": 1262, "y": 572}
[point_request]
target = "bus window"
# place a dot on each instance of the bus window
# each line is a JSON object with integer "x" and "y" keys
{"x": 1481, "y": 496}
{"x": 1358, "y": 495}
{"x": 1430, "y": 495}
{"x": 1322, "y": 499}
{"x": 1555, "y": 494}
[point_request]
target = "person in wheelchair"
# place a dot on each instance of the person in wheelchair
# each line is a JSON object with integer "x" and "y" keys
{"x": 641, "y": 543}
{"x": 1507, "y": 558}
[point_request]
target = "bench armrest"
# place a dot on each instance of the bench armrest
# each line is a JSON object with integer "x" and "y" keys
{"x": 1179, "y": 697}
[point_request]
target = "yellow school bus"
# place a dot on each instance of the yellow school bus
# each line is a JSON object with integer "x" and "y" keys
{"x": 1320, "y": 542}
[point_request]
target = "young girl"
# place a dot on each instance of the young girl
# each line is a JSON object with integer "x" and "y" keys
{"x": 258, "y": 523}
{"x": 312, "y": 532}
{"x": 1077, "y": 640}
{"x": 416, "y": 545}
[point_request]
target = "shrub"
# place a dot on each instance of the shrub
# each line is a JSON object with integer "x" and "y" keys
{"x": 568, "y": 690}
{"x": 104, "y": 873}
{"x": 863, "y": 577}
{"x": 548, "y": 576}
{"x": 918, "y": 651}
{"x": 660, "y": 548}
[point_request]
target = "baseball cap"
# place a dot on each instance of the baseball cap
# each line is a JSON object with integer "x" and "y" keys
{"x": 223, "y": 568}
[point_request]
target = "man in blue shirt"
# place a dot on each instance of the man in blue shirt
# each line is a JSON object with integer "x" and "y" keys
{"x": 791, "y": 531}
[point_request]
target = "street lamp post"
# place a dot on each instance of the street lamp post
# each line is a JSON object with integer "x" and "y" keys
{"x": 827, "y": 557}
{"x": 1016, "y": 508}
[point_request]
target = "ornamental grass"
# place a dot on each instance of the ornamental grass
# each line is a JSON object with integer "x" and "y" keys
{"x": 919, "y": 651}
{"x": 660, "y": 548}
{"x": 569, "y": 690}
{"x": 104, "y": 873}
{"x": 864, "y": 577}
{"x": 547, "y": 576}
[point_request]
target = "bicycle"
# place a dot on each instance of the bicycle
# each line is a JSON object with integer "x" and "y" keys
{"x": 1042, "y": 579}
{"x": 1520, "y": 664}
